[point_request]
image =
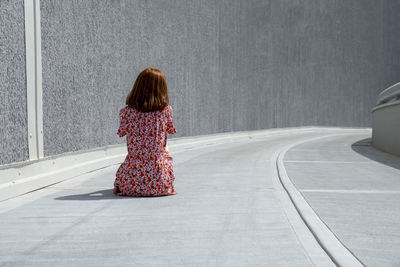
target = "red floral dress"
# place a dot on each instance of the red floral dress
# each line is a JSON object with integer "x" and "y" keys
{"x": 147, "y": 169}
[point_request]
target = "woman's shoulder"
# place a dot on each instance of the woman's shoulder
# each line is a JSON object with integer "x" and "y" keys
{"x": 126, "y": 110}
{"x": 123, "y": 110}
{"x": 168, "y": 108}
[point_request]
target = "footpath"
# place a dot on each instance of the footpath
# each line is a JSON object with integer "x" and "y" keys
{"x": 232, "y": 208}
{"x": 355, "y": 190}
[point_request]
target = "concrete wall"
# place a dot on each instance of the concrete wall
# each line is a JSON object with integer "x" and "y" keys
{"x": 385, "y": 121}
{"x": 230, "y": 65}
{"x": 13, "y": 121}
{"x": 386, "y": 128}
{"x": 391, "y": 42}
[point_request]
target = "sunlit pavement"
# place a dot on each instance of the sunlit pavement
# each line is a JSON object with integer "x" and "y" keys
{"x": 355, "y": 190}
{"x": 231, "y": 208}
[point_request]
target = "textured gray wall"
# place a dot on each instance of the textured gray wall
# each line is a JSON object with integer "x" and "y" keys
{"x": 230, "y": 65}
{"x": 391, "y": 41}
{"x": 13, "y": 117}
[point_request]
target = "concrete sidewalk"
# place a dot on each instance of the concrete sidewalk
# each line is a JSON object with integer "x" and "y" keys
{"x": 230, "y": 210}
{"x": 355, "y": 190}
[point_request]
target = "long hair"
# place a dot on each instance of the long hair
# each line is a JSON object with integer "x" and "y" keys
{"x": 150, "y": 91}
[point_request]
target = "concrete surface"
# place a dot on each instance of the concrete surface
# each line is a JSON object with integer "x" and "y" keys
{"x": 230, "y": 65}
{"x": 386, "y": 127}
{"x": 229, "y": 211}
{"x": 13, "y": 114}
{"x": 355, "y": 189}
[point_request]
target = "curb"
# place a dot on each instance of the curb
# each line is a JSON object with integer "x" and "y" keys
{"x": 333, "y": 247}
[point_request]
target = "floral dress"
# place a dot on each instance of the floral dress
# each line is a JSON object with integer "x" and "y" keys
{"x": 147, "y": 169}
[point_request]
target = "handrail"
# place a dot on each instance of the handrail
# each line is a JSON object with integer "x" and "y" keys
{"x": 391, "y": 93}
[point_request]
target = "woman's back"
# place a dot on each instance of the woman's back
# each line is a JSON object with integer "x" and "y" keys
{"x": 147, "y": 169}
{"x": 146, "y": 131}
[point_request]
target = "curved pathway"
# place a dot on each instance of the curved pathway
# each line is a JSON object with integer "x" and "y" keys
{"x": 355, "y": 189}
{"x": 230, "y": 210}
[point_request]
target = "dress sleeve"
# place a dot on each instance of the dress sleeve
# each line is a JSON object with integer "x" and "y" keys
{"x": 170, "y": 121}
{"x": 123, "y": 123}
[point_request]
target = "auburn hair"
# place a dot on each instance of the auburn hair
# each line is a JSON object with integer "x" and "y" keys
{"x": 150, "y": 91}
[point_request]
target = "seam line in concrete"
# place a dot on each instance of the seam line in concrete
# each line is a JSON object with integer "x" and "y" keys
{"x": 34, "y": 79}
{"x": 350, "y": 191}
{"x": 324, "y": 161}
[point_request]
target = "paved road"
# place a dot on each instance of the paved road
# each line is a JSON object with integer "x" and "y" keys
{"x": 230, "y": 210}
{"x": 355, "y": 190}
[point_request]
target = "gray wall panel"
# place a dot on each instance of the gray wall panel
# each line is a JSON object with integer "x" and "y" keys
{"x": 230, "y": 65}
{"x": 13, "y": 116}
{"x": 391, "y": 43}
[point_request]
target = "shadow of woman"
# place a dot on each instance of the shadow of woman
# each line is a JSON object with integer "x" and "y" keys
{"x": 97, "y": 195}
{"x": 365, "y": 148}
{"x": 102, "y": 194}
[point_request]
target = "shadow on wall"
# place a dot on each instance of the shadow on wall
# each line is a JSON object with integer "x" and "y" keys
{"x": 365, "y": 148}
